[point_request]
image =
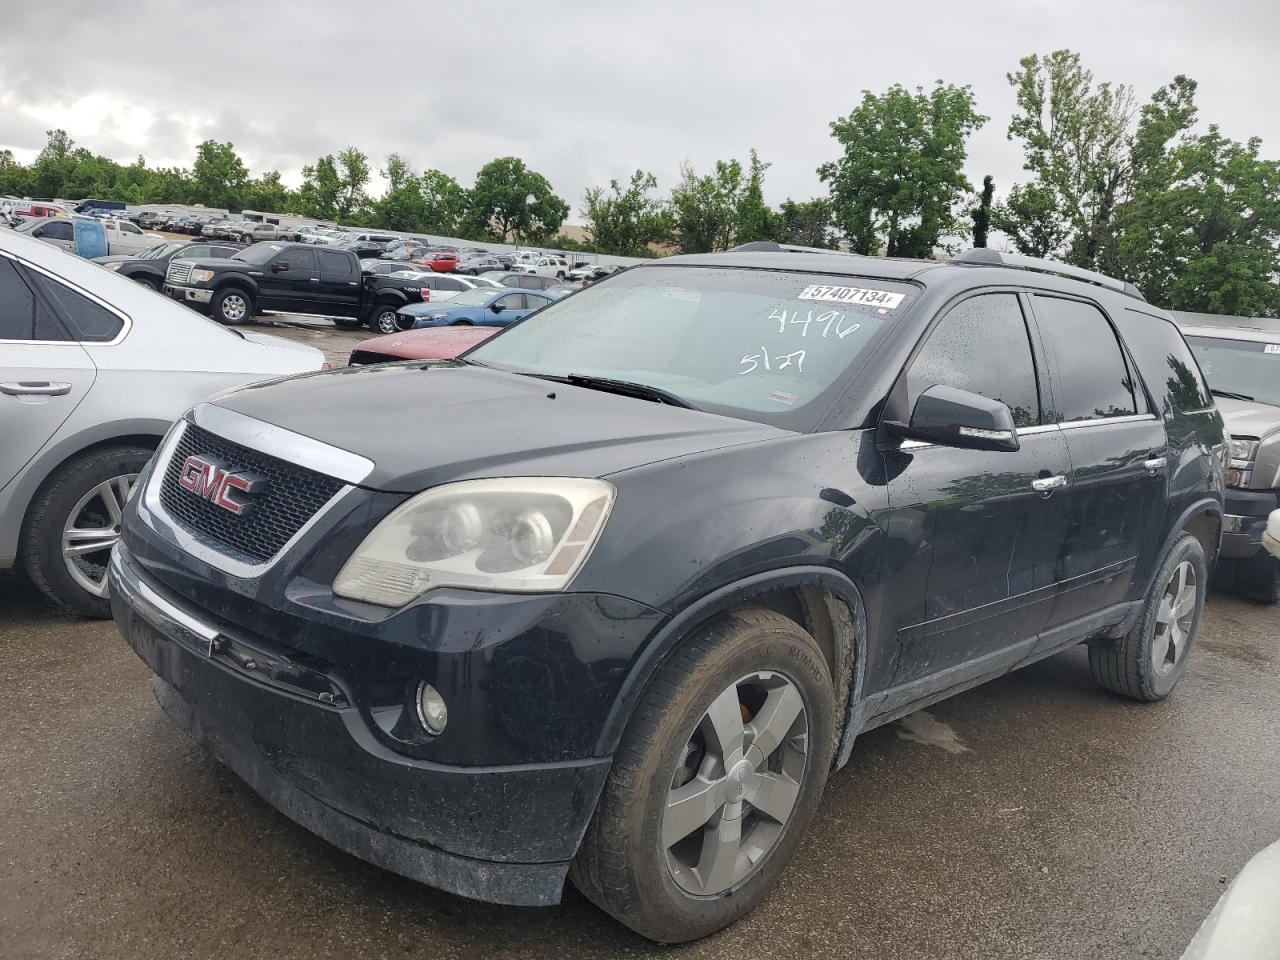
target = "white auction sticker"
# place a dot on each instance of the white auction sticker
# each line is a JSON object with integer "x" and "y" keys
{"x": 859, "y": 295}
{"x": 1272, "y": 348}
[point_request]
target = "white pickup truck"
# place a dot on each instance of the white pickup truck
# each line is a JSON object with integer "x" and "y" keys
{"x": 553, "y": 267}
{"x": 122, "y": 236}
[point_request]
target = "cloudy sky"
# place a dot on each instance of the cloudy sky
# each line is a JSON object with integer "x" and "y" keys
{"x": 585, "y": 91}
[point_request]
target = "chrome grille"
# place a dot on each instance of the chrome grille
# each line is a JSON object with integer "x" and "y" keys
{"x": 179, "y": 272}
{"x": 292, "y": 496}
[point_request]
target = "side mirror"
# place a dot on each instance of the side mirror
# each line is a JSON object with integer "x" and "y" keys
{"x": 958, "y": 418}
{"x": 497, "y": 307}
{"x": 279, "y": 268}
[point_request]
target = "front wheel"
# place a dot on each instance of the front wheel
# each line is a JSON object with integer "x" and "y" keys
{"x": 1148, "y": 661}
{"x": 231, "y": 306}
{"x": 1257, "y": 578}
{"x": 718, "y": 774}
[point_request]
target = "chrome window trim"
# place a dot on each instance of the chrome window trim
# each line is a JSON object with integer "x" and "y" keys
{"x": 1021, "y": 432}
{"x": 282, "y": 444}
{"x": 154, "y": 515}
{"x": 1096, "y": 421}
{"x": 127, "y": 321}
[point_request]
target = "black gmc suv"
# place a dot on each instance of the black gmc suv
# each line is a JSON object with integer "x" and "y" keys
{"x": 289, "y": 277}
{"x": 609, "y": 597}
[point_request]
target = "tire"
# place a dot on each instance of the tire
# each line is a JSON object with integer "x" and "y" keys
{"x": 1258, "y": 578}
{"x": 1144, "y": 664}
{"x": 147, "y": 281}
{"x": 624, "y": 865}
{"x": 90, "y": 491}
{"x": 560, "y": 275}
{"x": 384, "y": 320}
{"x": 232, "y": 306}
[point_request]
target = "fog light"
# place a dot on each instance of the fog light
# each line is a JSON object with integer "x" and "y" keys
{"x": 431, "y": 709}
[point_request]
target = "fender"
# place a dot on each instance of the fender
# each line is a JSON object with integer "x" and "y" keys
{"x": 657, "y": 651}
{"x": 1209, "y": 505}
{"x": 245, "y": 283}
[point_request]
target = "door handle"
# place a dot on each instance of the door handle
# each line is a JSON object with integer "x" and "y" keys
{"x": 1047, "y": 485}
{"x": 1155, "y": 464}
{"x": 33, "y": 389}
{"x": 314, "y": 279}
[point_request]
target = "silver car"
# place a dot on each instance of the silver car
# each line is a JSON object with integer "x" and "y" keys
{"x": 93, "y": 370}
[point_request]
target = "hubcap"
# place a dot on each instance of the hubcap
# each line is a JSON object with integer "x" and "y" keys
{"x": 92, "y": 529}
{"x": 233, "y": 307}
{"x": 387, "y": 322}
{"x": 1173, "y": 619}
{"x": 737, "y": 784}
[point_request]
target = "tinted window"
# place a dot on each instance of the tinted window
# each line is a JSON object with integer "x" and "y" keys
{"x": 17, "y": 305}
{"x": 198, "y": 251}
{"x": 126, "y": 227}
{"x": 448, "y": 283}
{"x": 981, "y": 345}
{"x": 1167, "y": 364}
{"x": 335, "y": 264}
{"x": 299, "y": 260}
{"x": 1093, "y": 379}
{"x": 90, "y": 322}
{"x": 513, "y": 302}
{"x": 56, "y": 230}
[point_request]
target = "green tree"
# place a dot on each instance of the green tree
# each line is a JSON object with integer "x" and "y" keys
{"x": 1031, "y": 218}
{"x": 320, "y": 189}
{"x": 218, "y": 176}
{"x": 981, "y": 213}
{"x": 624, "y": 221}
{"x": 445, "y": 203}
{"x": 268, "y": 193}
{"x": 806, "y": 223}
{"x": 352, "y": 202}
{"x": 1202, "y": 228}
{"x": 510, "y": 202}
{"x": 705, "y": 208}
{"x": 402, "y": 206}
{"x": 753, "y": 218}
{"x": 896, "y": 185}
{"x": 1077, "y": 144}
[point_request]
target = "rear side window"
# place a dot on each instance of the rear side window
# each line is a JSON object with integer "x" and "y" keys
{"x": 1167, "y": 363}
{"x": 90, "y": 322}
{"x": 981, "y": 345}
{"x": 17, "y": 305}
{"x": 1093, "y": 380}
{"x": 335, "y": 264}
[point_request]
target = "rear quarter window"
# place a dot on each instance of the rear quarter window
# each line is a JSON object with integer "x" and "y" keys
{"x": 1165, "y": 361}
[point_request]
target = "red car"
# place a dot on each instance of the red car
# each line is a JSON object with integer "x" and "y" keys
{"x": 439, "y": 262}
{"x": 438, "y": 343}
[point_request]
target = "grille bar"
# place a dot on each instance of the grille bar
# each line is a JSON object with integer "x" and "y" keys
{"x": 178, "y": 272}
{"x": 290, "y": 497}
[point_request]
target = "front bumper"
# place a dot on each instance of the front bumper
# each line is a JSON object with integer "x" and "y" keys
{"x": 188, "y": 294}
{"x": 1245, "y": 521}
{"x": 504, "y": 834}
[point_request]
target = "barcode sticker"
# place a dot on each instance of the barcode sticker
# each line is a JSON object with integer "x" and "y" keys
{"x": 856, "y": 295}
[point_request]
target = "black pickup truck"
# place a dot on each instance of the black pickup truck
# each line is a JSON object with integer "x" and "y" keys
{"x": 290, "y": 277}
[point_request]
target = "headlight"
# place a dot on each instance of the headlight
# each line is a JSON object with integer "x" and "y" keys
{"x": 1243, "y": 448}
{"x": 523, "y": 534}
{"x": 201, "y": 276}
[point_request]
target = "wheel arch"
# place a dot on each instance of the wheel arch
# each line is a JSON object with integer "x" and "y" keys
{"x": 823, "y": 601}
{"x": 13, "y": 520}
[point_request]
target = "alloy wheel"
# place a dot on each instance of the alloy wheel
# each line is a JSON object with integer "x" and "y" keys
{"x": 92, "y": 529}
{"x": 1174, "y": 617}
{"x": 234, "y": 307}
{"x": 737, "y": 784}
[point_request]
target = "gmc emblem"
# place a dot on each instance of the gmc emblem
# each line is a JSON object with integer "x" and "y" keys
{"x": 211, "y": 480}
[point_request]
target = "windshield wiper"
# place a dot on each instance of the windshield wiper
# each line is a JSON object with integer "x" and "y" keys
{"x": 1230, "y": 395}
{"x": 624, "y": 388}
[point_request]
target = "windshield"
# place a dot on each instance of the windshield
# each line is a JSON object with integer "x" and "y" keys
{"x": 156, "y": 253}
{"x": 258, "y": 253}
{"x": 771, "y": 346}
{"x": 472, "y": 298}
{"x": 1240, "y": 366}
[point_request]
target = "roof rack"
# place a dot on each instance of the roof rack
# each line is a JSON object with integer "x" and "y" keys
{"x": 772, "y": 246}
{"x": 986, "y": 257}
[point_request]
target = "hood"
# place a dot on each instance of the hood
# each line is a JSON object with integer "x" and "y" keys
{"x": 432, "y": 343}
{"x": 1249, "y": 418}
{"x": 115, "y": 258}
{"x": 425, "y": 424}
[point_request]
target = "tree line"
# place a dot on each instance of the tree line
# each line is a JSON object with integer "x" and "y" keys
{"x": 1133, "y": 190}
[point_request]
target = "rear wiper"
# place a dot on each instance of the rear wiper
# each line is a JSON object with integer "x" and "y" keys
{"x": 622, "y": 387}
{"x": 1229, "y": 394}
